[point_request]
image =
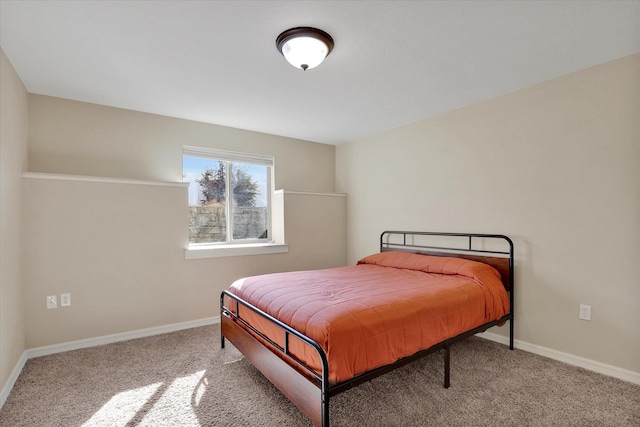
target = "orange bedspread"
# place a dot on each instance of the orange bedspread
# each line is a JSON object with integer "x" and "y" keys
{"x": 387, "y": 307}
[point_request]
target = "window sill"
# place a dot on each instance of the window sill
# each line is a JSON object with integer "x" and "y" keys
{"x": 213, "y": 251}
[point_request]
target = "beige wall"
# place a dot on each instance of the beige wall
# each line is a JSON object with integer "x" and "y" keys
{"x": 13, "y": 161}
{"x": 556, "y": 167}
{"x": 119, "y": 248}
{"x": 70, "y": 137}
{"x": 316, "y": 228}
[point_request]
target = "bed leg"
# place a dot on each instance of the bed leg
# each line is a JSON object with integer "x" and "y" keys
{"x": 221, "y": 314}
{"x": 325, "y": 410}
{"x": 511, "y": 333}
{"x": 447, "y": 371}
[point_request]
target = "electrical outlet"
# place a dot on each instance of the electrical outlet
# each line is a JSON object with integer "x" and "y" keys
{"x": 585, "y": 312}
{"x": 52, "y": 302}
{"x": 65, "y": 300}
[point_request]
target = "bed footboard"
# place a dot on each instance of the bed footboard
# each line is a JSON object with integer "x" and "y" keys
{"x": 303, "y": 386}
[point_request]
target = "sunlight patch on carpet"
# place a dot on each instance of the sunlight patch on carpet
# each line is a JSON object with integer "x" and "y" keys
{"x": 178, "y": 400}
{"x": 122, "y": 407}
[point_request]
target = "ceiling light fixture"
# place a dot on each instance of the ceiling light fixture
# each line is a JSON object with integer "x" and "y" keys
{"x": 304, "y": 47}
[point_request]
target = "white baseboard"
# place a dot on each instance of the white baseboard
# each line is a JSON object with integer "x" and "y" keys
{"x": 108, "y": 339}
{"x": 4, "y": 393}
{"x": 592, "y": 365}
{"x": 92, "y": 342}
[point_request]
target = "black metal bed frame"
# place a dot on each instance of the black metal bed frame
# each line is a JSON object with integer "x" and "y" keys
{"x": 235, "y": 328}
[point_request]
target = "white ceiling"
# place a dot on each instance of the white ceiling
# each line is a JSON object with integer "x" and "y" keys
{"x": 393, "y": 63}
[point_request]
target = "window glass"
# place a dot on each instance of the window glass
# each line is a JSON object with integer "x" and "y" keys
{"x": 228, "y": 200}
{"x": 249, "y": 185}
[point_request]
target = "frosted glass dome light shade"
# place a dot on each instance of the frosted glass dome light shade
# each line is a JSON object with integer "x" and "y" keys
{"x": 304, "y": 47}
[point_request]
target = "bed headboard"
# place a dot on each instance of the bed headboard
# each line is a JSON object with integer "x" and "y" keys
{"x": 493, "y": 249}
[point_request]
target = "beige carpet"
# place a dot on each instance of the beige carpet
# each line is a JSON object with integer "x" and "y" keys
{"x": 185, "y": 379}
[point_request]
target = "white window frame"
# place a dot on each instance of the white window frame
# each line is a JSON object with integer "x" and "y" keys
{"x": 236, "y": 247}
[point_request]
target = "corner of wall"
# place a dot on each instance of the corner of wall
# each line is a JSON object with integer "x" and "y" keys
{"x": 13, "y": 162}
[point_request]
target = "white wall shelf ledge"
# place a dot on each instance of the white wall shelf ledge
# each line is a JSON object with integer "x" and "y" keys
{"x": 101, "y": 179}
{"x": 309, "y": 193}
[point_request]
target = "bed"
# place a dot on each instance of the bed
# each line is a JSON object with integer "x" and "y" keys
{"x": 315, "y": 334}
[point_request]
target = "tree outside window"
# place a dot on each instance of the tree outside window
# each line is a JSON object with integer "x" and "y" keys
{"x": 228, "y": 199}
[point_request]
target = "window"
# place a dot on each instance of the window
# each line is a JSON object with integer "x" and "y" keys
{"x": 229, "y": 196}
